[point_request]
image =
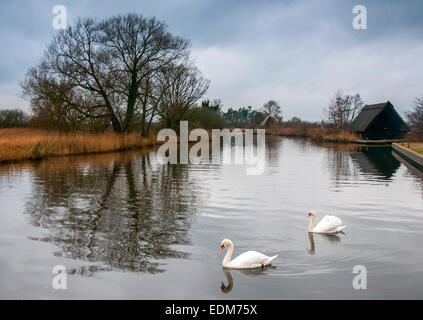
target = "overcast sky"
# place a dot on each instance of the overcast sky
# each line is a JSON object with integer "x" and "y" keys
{"x": 295, "y": 52}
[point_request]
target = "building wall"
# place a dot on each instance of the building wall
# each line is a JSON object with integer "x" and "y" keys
{"x": 386, "y": 126}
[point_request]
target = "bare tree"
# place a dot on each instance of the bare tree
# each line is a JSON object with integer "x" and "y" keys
{"x": 13, "y": 118}
{"x": 182, "y": 86}
{"x": 343, "y": 109}
{"x": 336, "y": 113}
{"x": 150, "y": 95}
{"x": 104, "y": 63}
{"x": 59, "y": 104}
{"x": 142, "y": 47}
{"x": 415, "y": 117}
{"x": 356, "y": 105}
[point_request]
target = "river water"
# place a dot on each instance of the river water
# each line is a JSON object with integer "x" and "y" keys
{"x": 127, "y": 227}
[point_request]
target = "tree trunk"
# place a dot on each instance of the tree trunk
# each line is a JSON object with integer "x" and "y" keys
{"x": 132, "y": 98}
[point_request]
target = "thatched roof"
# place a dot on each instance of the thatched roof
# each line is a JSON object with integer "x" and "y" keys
{"x": 368, "y": 114}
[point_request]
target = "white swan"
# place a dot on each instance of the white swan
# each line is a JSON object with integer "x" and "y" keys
{"x": 329, "y": 224}
{"x": 247, "y": 260}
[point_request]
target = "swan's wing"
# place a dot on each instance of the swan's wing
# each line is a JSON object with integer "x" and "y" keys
{"x": 328, "y": 223}
{"x": 249, "y": 259}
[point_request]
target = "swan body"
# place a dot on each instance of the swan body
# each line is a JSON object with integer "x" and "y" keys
{"x": 247, "y": 260}
{"x": 328, "y": 225}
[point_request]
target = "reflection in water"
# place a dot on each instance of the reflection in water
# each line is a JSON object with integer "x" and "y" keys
{"x": 330, "y": 238}
{"x": 312, "y": 245}
{"x": 376, "y": 161}
{"x": 348, "y": 161}
{"x": 229, "y": 279}
{"x": 273, "y": 150}
{"x": 412, "y": 171}
{"x": 123, "y": 210}
{"x": 339, "y": 163}
{"x": 251, "y": 273}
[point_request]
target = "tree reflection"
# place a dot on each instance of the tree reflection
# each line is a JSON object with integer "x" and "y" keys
{"x": 274, "y": 145}
{"x": 346, "y": 161}
{"x": 123, "y": 210}
{"x": 340, "y": 164}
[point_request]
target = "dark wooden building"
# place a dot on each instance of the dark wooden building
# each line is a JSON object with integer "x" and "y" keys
{"x": 379, "y": 122}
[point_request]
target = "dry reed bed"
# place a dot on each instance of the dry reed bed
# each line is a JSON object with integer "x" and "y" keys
{"x": 29, "y": 144}
{"x": 317, "y": 134}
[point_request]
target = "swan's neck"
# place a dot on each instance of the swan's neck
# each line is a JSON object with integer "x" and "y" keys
{"x": 311, "y": 224}
{"x": 228, "y": 255}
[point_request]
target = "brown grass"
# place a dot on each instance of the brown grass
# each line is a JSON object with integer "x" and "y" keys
{"x": 316, "y": 134}
{"x": 24, "y": 144}
{"x": 18, "y": 144}
{"x": 416, "y": 146}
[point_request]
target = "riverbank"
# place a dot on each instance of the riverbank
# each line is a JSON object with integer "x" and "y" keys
{"x": 411, "y": 152}
{"x": 17, "y": 144}
{"x": 316, "y": 134}
{"x": 417, "y": 146}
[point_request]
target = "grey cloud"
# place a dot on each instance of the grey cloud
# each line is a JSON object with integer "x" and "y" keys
{"x": 298, "y": 52}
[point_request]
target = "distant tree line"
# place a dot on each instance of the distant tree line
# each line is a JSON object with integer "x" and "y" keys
{"x": 13, "y": 118}
{"x": 296, "y": 123}
{"x": 248, "y": 117}
{"x": 122, "y": 72}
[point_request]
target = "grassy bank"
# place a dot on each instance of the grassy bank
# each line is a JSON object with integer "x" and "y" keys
{"x": 25, "y": 144}
{"x": 316, "y": 134}
{"x": 415, "y": 146}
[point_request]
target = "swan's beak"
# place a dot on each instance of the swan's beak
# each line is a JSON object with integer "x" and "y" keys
{"x": 222, "y": 248}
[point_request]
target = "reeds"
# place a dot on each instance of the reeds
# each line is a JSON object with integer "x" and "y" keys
{"x": 317, "y": 134}
{"x": 18, "y": 144}
{"x": 25, "y": 144}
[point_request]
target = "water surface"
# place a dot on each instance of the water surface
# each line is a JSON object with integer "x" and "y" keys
{"x": 127, "y": 227}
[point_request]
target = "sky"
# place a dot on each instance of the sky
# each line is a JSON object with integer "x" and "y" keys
{"x": 295, "y": 52}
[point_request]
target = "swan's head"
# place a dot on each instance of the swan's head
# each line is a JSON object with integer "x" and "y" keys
{"x": 312, "y": 213}
{"x": 225, "y": 243}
